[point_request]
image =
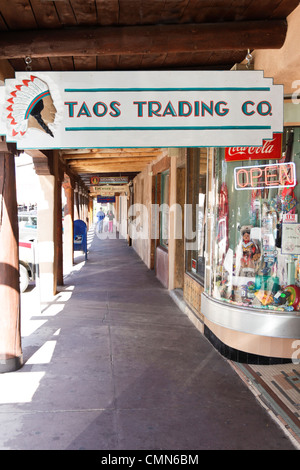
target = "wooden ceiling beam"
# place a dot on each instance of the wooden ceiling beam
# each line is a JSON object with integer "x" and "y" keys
{"x": 127, "y": 40}
{"x": 66, "y": 152}
{"x": 107, "y": 161}
{"x": 118, "y": 168}
{"x": 100, "y": 156}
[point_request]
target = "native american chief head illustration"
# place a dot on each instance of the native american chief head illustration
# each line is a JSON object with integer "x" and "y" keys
{"x": 30, "y": 105}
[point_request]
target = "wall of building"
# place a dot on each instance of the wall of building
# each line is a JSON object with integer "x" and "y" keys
{"x": 283, "y": 64}
{"x": 142, "y": 190}
{"x": 168, "y": 264}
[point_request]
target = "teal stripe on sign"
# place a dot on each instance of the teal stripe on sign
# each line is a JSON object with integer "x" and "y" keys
{"x": 113, "y": 90}
{"x": 184, "y": 128}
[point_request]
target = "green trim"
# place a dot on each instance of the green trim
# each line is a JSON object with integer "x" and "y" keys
{"x": 120, "y": 90}
{"x": 166, "y": 128}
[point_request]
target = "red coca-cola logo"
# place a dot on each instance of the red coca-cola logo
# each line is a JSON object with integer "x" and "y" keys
{"x": 271, "y": 149}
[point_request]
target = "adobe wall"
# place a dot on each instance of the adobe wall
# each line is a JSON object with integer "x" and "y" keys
{"x": 283, "y": 64}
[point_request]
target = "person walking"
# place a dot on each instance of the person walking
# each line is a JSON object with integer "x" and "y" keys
{"x": 100, "y": 216}
{"x": 110, "y": 221}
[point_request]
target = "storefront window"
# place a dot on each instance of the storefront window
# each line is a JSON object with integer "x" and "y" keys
{"x": 195, "y": 212}
{"x": 255, "y": 225}
{"x": 164, "y": 226}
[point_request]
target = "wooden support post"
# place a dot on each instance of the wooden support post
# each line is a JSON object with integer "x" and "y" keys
{"x": 91, "y": 211}
{"x": 68, "y": 237}
{"x": 85, "y": 209}
{"x": 59, "y": 176}
{"x": 10, "y": 335}
{"x": 80, "y": 199}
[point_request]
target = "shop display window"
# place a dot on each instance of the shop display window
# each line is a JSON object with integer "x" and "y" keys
{"x": 195, "y": 214}
{"x": 255, "y": 225}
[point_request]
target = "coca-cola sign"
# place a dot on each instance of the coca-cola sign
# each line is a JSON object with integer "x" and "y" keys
{"x": 271, "y": 149}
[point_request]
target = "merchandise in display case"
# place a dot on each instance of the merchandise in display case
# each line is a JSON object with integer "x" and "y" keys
{"x": 255, "y": 236}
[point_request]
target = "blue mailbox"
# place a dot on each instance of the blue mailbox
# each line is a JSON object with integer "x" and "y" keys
{"x": 80, "y": 236}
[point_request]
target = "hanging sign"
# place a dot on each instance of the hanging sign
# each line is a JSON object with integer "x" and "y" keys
{"x": 106, "y": 199}
{"x": 271, "y": 149}
{"x": 113, "y": 180}
{"x": 95, "y": 179}
{"x": 106, "y": 193}
{"x": 47, "y": 110}
{"x": 109, "y": 188}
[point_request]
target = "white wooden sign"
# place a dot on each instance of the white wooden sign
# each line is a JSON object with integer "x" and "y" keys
{"x": 112, "y": 188}
{"x": 141, "y": 109}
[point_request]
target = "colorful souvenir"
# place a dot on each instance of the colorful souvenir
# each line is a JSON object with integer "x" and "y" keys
{"x": 289, "y": 204}
{"x": 264, "y": 298}
{"x": 276, "y": 203}
{"x": 294, "y": 296}
{"x": 223, "y": 216}
{"x": 250, "y": 251}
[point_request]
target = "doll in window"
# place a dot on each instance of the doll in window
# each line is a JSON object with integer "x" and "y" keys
{"x": 249, "y": 252}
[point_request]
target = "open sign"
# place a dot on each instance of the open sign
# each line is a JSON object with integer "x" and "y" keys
{"x": 265, "y": 176}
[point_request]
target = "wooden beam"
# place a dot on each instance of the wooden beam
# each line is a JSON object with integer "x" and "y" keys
{"x": 108, "y": 161}
{"x": 96, "y": 156}
{"x": 128, "y": 40}
{"x": 112, "y": 168}
{"x": 66, "y": 152}
{"x": 42, "y": 161}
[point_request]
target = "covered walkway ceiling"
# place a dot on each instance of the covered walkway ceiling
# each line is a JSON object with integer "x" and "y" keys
{"x": 88, "y": 35}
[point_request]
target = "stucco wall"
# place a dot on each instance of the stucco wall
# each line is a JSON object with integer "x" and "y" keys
{"x": 283, "y": 64}
{"x": 142, "y": 195}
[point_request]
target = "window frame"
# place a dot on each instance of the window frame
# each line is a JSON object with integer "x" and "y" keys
{"x": 164, "y": 216}
{"x": 192, "y": 197}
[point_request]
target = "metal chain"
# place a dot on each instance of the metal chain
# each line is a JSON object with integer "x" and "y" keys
{"x": 28, "y": 62}
{"x": 249, "y": 58}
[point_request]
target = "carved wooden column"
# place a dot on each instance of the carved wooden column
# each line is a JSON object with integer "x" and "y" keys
{"x": 81, "y": 204}
{"x": 85, "y": 202}
{"x": 10, "y": 336}
{"x": 90, "y": 211}
{"x": 59, "y": 177}
{"x": 68, "y": 237}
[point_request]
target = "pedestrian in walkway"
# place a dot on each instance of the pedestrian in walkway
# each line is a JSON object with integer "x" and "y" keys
{"x": 100, "y": 216}
{"x": 110, "y": 221}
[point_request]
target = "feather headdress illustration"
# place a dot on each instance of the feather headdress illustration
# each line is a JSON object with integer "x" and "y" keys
{"x": 30, "y": 105}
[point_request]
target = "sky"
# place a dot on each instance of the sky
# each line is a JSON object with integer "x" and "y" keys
{"x": 27, "y": 180}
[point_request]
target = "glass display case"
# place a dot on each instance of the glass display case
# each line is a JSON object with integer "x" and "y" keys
{"x": 254, "y": 239}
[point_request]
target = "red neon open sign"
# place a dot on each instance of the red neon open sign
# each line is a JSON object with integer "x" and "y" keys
{"x": 265, "y": 176}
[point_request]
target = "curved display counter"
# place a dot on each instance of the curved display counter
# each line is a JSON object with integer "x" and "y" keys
{"x": 251, "y": 300}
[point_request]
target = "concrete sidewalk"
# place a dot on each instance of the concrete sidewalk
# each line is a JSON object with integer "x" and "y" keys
{"x": 113, "y": 364}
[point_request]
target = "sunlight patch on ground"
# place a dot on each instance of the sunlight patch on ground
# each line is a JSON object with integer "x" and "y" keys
{"x": 16, "y": 387}
{"x": 44, "y": 354}
{"x": 30, "y": 326}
